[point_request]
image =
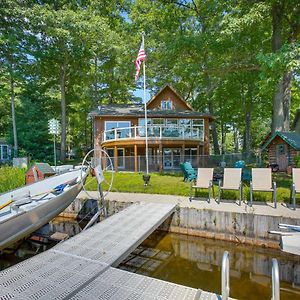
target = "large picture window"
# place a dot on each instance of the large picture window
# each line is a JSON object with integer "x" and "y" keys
{"x": 122, "y": 129}
{"x": 198, "y": 128}
{"x": 190, "y": 128}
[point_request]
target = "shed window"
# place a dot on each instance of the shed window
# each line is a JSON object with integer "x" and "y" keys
{"x": 281, "y": 149}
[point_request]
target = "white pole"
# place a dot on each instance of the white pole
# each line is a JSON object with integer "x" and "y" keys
{"x": 54, "y": 148}
{"x": 146, "y": 125}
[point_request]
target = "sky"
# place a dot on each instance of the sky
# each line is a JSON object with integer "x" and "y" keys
{"x": 140, "y": 93}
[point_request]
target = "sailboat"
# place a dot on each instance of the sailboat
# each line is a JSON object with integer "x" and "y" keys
{"x": 26, "y": 209}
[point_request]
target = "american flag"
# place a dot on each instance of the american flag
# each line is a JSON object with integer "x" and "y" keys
{"x": 141, "y": 56}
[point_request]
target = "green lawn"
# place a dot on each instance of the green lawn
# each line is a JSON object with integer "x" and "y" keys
{"x": 174, "y": 185}
{"x": 133, "y": 183}
{"x": 11, "y": 178}
{"x": 167, "y": 184}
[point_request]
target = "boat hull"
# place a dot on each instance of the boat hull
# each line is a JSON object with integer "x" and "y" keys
{"x": 23, "y": 224}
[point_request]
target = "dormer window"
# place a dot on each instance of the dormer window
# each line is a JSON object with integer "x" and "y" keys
{"x": 166, "y": 104}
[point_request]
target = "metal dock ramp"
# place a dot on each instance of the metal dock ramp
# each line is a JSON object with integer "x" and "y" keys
{"x": 81, "y": 267}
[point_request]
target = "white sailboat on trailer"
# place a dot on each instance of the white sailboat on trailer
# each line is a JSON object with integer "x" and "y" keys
{"x": 24, "y": 210}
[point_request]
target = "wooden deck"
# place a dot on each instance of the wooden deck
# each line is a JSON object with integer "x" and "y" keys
{"x": 83, "y": 266}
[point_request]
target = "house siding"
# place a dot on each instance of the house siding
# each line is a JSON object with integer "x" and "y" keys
{"x": 134, "y": 147}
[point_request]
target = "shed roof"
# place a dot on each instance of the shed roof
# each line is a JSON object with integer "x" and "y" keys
{"x": 138, "y": 110}
{"x": 291, "y": 138}
{"x": 44, "y": 168}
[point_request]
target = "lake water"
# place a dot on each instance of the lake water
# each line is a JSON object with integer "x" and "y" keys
{"x": 196, "y": 262}
{"x": 191, "y": 261}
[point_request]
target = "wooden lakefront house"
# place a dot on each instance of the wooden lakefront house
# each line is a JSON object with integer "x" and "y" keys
{"x": 176, "y": 133}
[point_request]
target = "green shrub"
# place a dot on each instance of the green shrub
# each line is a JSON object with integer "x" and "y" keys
{"x": 297, "y": 161}
{"x": 11, "y": 178}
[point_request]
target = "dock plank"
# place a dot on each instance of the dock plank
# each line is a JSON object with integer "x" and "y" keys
{"x": 83, "y": 266}
{"x": 111, "y": 240}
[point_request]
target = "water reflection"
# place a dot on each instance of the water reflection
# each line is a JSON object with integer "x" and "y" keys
{"x": 196, "y": 262}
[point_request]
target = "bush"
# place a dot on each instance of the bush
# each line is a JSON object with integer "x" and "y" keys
{"x": 11, "y": 178}
{"x": 297, "y": 161}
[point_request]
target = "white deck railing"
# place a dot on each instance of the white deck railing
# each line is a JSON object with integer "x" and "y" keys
{"x": 154, "y": 132}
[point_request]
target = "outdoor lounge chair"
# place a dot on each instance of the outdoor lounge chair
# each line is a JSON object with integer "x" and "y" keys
{"x": 204, "y": 181}
{"x": 232, "y": 181}
{"x": 262, "y": 182}
{"x": 188, "y": 171}
{"x": 295, "y": 185}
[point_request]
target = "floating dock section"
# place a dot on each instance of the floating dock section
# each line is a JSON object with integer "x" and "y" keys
{"x": 83, "y": 267}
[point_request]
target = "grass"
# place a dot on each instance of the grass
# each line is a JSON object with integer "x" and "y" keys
{"x": 11, "y": 178}
{"x": 133, "y": 183}
{"x": 174, "y": 185}
{"x": 166, "y": 184}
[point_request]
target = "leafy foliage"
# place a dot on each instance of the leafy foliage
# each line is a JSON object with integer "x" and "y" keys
{"x": 63, "y": 58}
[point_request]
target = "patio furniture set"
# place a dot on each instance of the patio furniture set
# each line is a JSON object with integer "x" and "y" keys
{"x": 232, "y": 180}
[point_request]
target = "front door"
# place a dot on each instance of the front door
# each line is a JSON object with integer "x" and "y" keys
{"x": 171, "y": 158}
{"x": 121, "y": 157}
{"x": 282, "y": 157}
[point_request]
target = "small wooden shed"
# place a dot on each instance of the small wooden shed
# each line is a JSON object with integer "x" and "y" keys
{"x": 282, "y": 148}
{"x": 38, "y": 171}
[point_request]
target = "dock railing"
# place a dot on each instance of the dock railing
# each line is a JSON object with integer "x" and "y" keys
{"x": 154, "y": 132}
{"x": 275, "y": 280}
{"x": 225, "y": 276}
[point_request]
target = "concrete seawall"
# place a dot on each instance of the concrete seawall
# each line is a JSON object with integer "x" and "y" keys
{"x": 246, "y": 228}
{"x": 249, "y": 227}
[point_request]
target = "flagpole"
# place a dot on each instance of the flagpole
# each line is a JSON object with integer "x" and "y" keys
{"x": 145, "y": 104}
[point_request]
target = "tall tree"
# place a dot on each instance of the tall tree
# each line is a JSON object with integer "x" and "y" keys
{"x": 285, "y": 33}
{"x": 13, "y": 39}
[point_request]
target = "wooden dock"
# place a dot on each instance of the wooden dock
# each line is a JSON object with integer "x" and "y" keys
{"x": 83, "y": 267}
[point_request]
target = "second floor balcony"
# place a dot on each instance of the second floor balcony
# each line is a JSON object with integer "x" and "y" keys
{"x": 154, "y": 132}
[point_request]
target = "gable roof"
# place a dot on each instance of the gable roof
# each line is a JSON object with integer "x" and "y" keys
{"x": 44, "y": 168}
{"x": 291, "y": 138}
{"x": 167, "y": 86}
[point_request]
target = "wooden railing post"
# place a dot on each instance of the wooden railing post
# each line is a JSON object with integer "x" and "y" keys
{"x": 116, "y": 158}
{"x": 135, "y": 158}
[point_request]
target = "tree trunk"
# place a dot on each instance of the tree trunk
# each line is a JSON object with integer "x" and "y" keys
{"x": 235, "y": 139}
{"x": 13, "y": 115}
{"x": 96, "y": 81}
{"x": 282, "y": 103}
{"x": 214, "y": 131}
{"x": 223, "y": 138}
{"x": 63, "y": 111}
{"x": 248, "y": 119}
{"x": 282, "y": 95}
{"x": 247, "y": 137}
